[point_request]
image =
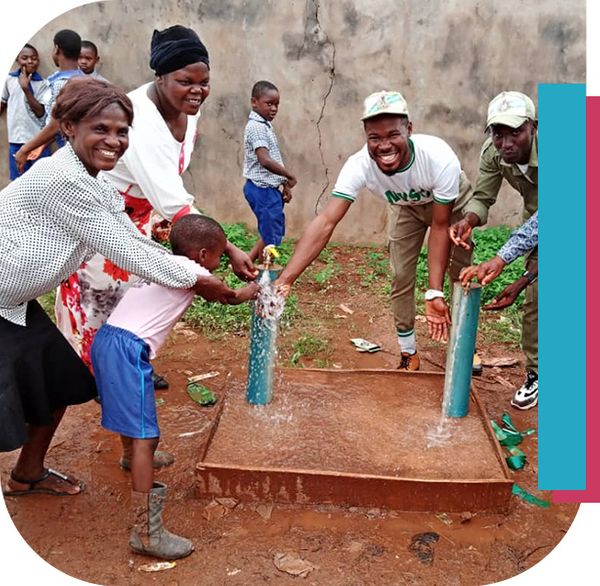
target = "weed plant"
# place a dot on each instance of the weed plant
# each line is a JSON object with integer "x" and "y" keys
{"x": 310, "y": 346}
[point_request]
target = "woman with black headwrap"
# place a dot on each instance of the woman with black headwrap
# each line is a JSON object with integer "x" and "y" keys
{"x": 161, "y": 143}
{"x": 148, "y": 176}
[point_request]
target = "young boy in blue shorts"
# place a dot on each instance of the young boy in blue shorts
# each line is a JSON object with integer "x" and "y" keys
{"x": 264, "y": 170}
{"x": 121, "y": 354}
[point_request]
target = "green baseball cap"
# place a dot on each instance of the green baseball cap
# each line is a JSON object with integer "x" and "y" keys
{"x": 510, "y": 109}
{"x": 384, "y": 102}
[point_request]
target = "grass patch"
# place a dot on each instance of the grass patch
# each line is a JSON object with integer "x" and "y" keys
{"x": 375, "y": 272}
{"x": 372, "y": 266}
{"x": 47, "y": 303}
{"x": 487, "y": 243}
{"x": 310, "y": 347}
{"x": 323, "y": 275}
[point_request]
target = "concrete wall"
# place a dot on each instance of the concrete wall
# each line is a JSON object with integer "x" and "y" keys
{"x": 448, "y": 57}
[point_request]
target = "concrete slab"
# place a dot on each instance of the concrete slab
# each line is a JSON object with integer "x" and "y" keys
{"x": 364, "y": 438}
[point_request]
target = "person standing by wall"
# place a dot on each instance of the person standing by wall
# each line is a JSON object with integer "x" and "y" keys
{"x": 23, "y": 100}
{"x": 88, "y": 59}
{"x": 65, "y": 53}
{"x": 510, "y": 154}
{"x": 264, "y": 170}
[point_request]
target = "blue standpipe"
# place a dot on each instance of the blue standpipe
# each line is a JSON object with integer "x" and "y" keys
{"x": 459, "y": 359}
{"x": 263, "y": 335}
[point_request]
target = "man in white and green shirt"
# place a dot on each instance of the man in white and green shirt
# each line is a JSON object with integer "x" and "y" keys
{"x": 421, "y": 178}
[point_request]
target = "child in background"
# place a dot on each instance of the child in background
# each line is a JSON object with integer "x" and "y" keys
{"x": 23, "y": 99}
{"x": 88, "y": 59}
{"x": 264, "y": 170}
{"x": 65, "y": 52}
{"x": 121, "y": 354}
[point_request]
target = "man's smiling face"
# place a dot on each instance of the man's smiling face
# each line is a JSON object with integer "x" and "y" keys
{"x": 387, "y": 141}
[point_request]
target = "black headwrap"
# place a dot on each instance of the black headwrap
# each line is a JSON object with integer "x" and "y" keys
{"x": 174, "y": 48}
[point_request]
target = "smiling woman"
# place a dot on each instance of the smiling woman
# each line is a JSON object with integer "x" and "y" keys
{"x": 148, "y": 176}
{"x": 52, "y": 218}
{"x": 97, "y": 130}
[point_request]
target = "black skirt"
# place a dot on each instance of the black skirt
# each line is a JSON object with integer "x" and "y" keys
{"x": 39, "y": 373}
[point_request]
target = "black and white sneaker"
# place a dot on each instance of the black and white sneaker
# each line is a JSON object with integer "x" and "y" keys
{"x": 527, "y": 396}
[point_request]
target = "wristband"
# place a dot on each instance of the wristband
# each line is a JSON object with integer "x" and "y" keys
{"x": 531, "y": 278}
{"x": 432, "y": 294}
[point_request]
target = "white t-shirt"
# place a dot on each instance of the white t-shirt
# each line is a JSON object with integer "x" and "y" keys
{"x": 22, "y": 124}
{"x": 432, "y": 174}
{"x": 150, "y": 311}
{"x": 151, "y": 167}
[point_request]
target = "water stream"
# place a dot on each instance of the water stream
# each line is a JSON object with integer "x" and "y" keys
{"x": 268, "y": 308}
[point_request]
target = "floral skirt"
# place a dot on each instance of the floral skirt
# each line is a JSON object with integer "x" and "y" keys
{"x": 86, "y": 299}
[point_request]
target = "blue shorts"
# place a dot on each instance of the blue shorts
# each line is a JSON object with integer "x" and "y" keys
{"x": 267, "y": 205}
{"x": 121, "y": 363}
{"x": 13, "y": 147}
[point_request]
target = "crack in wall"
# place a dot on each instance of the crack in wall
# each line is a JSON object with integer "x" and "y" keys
{"x": 327, "y": 41}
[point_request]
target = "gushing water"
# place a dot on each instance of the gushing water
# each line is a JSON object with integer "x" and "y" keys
{"x": 269, "y": 304}
{"x": 268, "y": 308}
{"x": 440, "y": 434}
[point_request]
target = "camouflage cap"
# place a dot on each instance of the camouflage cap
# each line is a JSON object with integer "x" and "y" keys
{"x": 384, "y": 102}
{"x": 510, "y": 109}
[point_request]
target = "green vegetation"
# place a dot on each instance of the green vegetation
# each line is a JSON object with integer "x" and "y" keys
{"x": 309, "y": 346}
{"x": 47, "y": 303}
{"x": 375, "y": 272}
{"x": 371, "y": 264}
{"x": 323, "y": 275}
{"x": 487, "y": 244}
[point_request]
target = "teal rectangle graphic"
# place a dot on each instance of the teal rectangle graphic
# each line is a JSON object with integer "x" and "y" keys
{"x": 562, "y": 281}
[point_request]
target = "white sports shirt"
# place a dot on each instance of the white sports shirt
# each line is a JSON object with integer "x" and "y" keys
{"x": 432, "y": 174}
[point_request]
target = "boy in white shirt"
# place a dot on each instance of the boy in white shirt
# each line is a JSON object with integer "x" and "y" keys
{"x": 121, "y": 354}
{"x": 23, "y": 97}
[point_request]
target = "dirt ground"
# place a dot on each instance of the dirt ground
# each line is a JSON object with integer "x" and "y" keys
{"x": 86, "y": 536}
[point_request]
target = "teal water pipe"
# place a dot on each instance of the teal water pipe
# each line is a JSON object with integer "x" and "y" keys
{"x": 259, "y": 389}
{"x": 459, "y": 359}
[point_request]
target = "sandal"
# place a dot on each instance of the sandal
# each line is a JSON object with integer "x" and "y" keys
{"x": 44, "y": 490}
{"x": 160, "y": 382}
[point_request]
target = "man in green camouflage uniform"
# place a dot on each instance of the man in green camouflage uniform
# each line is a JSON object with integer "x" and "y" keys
{"x": 510, "y": 153}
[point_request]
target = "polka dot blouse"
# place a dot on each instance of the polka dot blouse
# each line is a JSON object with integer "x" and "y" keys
{"x": 54, "y": 217}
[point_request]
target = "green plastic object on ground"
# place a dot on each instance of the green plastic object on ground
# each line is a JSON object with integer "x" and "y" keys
{"x": 510, "y": 437}
{"x": 517, "y": 458}
{"x": 201, "y": 395}
{"x": 534, "y": 500}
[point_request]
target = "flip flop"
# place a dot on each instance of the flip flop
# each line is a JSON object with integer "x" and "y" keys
{"x": 41, "y": 490}
{"x": 201, "y": 394}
